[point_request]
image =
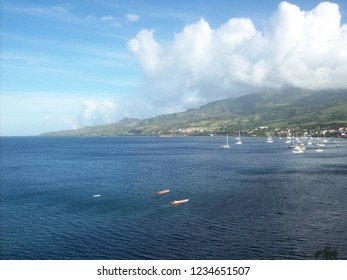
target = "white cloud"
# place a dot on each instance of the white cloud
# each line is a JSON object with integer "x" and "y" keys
{"x": 107, "y": 18}
{"x": 54, "y": 111}
{"x": 95, "y": 113}
{"x": 89, "y": 113}
{"x": 47, "y": 11}
{"x": 108, "y": 110}
{"x": 119, "y": 21}
{"x": 297, "y": 48}
{"x": 59, "y": 12}
{"x": 132, "y": 17}
{"x": 147, "y": 50}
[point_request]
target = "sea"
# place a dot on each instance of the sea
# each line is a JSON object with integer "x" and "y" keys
{"x": 94, "y": 198}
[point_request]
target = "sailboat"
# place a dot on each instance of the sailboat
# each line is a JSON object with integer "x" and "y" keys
{"x": 324, "y": 140}
{"x": 292, "y": 145}
{"x": 238, "y": 142}
{"x": 226, "y": 146}
{"x": 269, "y": 139}
{"x": 309, "y": 141}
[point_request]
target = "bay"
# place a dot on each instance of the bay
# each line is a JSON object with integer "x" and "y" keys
{"x": 94, "y": 198}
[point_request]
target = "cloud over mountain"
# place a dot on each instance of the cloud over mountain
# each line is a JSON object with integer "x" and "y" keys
{"x": 297, "y": 48}
{"x": 94, "y": 113}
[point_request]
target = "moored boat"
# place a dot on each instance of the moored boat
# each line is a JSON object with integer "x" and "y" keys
{"x": 238, "y": 139}
{"x": 269, "y": 139}
{"x": 226, "y": 146}
{"x": 174, "y": 202}
{"x": 162, "y": 192}
{"x": 298, "y": 150}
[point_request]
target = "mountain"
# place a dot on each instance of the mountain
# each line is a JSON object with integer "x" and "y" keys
{"x": 274, "y": 109}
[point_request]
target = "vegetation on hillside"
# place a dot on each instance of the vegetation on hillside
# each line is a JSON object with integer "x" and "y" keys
{"x": 254, "y": 115}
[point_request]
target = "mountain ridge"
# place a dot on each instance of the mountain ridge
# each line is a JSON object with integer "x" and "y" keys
{"x": 272, "y": 108}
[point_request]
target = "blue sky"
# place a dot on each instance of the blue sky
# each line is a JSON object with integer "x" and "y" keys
{"x": 68, "y": 64}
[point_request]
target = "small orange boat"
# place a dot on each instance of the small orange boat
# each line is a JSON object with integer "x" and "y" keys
{"x": 179, "y": 201}
{"x": 162, "y": 192}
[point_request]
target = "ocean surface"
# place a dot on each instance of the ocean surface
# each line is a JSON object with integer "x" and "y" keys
{"x": 253, "y": 201}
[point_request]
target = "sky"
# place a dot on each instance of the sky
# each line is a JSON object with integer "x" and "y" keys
{"x": 70, "y": 64}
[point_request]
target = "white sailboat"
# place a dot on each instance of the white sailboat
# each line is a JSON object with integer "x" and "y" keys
{"x": 239, "y": 141}
{"x": 292, "y": 145}
{"x": 226, "y": 146}
{"x": 269, "y": 139}
{"x": 289, "y": 138}
{"x": 309, "y": 141}
{"x": 324, "y": 140}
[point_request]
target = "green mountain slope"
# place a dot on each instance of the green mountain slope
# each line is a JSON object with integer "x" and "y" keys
{"x": 273, "y": 108}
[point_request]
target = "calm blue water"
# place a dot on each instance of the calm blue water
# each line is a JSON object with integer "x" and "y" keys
{"x": 254, "y": 201}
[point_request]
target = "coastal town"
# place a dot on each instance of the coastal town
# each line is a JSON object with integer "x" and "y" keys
{"x": 262, "y": 131}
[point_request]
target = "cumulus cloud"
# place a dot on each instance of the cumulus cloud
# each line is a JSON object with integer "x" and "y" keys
{"x": 95, "y": 113}
{"x": 298, "y": 48}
